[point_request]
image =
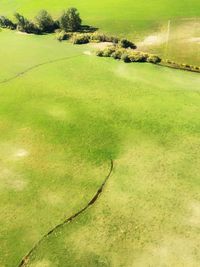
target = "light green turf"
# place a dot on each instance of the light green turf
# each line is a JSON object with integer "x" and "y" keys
{"x": 59, "y": 126}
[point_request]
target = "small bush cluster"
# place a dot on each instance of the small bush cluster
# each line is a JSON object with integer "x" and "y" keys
{"x": 128, "y": 55}
{"x": 61, "y": 35}
{"x": 44, "y": 23}
{"x": 81, "y": 39}
{"x": 100, "y": 37}
{"x": 181, "y": 65}
{"x": 153, "y": 59}
{"x": 190, "y": 67}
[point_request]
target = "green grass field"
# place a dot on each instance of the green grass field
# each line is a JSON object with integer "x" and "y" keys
{"x": 64, "y": 119}
{"x": 145, "y": 22}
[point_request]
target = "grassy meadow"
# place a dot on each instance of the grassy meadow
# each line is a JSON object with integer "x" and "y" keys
{"x": 144, "y": 22}
{"x": 64, "y": 119}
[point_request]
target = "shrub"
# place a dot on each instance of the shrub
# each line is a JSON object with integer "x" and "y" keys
{"x": 103, "y": 38}
{"x": 125, "y": 58}
{"x": 153, "y": 59}
{"x": 99, "y": 53}
{"x": 61, "y": 36}
{"x": 7, "y": 23}
{"x": 30, "y": 27}
{"x": 70, "y": 20}
{"x": 97, "y": 37}
{"x": 127, "y": 44}
{"x": 45, "y": 22}
{"x": 81, "y": 39}
{"x": 108, "y": 51}
{"x": 137, "y": 57}
{"x": 168, "y": 61}
{"x": 113, "y": 39}
{"x": 127, "y": 55}
{"x": 117, "y": 54}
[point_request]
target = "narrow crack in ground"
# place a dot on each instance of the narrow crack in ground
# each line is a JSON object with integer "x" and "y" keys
{"x": 26, "y": 258}
{"x": 37, "y": 66}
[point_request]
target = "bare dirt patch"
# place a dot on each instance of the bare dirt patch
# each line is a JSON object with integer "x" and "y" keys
{"x": 102, "y": 45}
{"x": 155, "y": 39}
{"x": 194, "y": 211}
{"x": 194, "y": 40}
{"x": 10, "y": 180}
{"x": 24, "y": 33}
{"x": 21, "y": 153}
{"x": 87, "y": 52}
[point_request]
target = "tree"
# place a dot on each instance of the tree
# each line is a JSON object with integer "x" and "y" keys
{"x": 64, "y": 21}
{"x": 70, "y": 20}
{"x": 21, "y": 21}
{"x": 24, "y": 25}
{"x": 45, "y": 21}
{"x": 7, "y": 23}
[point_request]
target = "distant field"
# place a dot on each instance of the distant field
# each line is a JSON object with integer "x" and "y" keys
{"x": 120, "y": 13}
{"x": 140, "y": 20}
{"x": 61, "y": 123}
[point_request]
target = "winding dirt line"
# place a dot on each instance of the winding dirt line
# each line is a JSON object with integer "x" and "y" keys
{"x": 37, "y": 66}
{"x": 26, "y": 258}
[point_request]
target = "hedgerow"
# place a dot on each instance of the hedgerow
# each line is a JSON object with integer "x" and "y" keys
{"x": 127, "y": 55}
{"x": 182, "y": 66}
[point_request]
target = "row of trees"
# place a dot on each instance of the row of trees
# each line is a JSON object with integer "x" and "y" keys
{"x": 69, "y": 21}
